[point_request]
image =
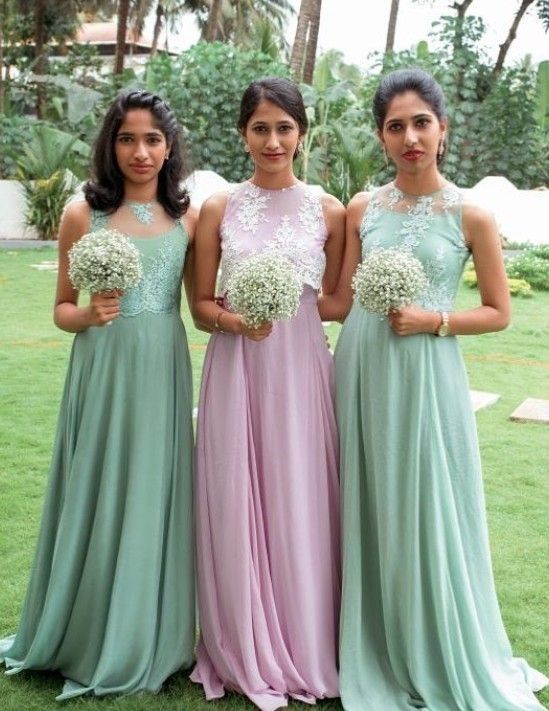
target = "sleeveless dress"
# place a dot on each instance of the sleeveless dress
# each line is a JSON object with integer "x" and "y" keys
{"x": 110, "y": 602}
{"x": 267, "y": 490}
{"x": 420, "y": 624}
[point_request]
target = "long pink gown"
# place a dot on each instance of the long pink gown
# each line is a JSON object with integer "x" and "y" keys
{"x": 267, "y": 491}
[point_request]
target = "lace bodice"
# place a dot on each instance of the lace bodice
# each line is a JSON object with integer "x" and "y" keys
{"x": 288, "y": 221}
{"x": 429, "y": 226}
{"x": 163, "y": 258}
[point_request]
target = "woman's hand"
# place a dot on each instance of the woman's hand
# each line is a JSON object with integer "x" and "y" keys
{"x": 409, "y": 320}
{"x": 256, "y": 334}
{"x": 104, "y": 308}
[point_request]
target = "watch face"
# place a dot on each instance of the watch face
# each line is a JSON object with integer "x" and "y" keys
{"x": 443, "y": 330}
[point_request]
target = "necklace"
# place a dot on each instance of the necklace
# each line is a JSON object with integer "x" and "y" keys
{"x": 143, "y": 211}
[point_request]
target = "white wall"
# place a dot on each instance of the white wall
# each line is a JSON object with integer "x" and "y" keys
{"x": 522, "y": 215}
{"x": 12, "y": 210}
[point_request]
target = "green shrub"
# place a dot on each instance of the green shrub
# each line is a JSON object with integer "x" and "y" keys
{"x": 470, "y": 275}
{"x": 542, "y": 251}
{"x": 519, "y": 287}
{"x": 203, "y": 86}
{"x": 15, "y": 132}
{"x": 531, "y": 267}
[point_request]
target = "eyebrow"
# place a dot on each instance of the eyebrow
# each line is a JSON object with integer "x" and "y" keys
{"x": 284, "y": 122}
{"x": 417, "y": 116}
{"x": 149, "y": 133}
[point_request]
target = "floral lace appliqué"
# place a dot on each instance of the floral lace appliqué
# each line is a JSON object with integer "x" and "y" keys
{"x": 251, "y": 208}
{"x": 310, "y": 214}
{"x": 160, "y": 289}
{"x": 439, "y": 295}
{"x": 291, "y": 236}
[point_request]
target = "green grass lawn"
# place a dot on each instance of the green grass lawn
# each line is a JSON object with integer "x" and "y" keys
{"x": 33, "y": 359}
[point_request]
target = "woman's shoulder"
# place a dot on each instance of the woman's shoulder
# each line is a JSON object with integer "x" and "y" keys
{"x": 331, "y": 205}
{"x": 77, "y": 215}
{"x": 358, "y": 204}
{"x": 476, "y": 221}
{"x": 189, "y": 221}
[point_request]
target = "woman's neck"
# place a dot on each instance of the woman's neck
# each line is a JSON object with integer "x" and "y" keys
{"x": 141, "y": 193}
{"x": 273, "y": 181}
{"x": 419, "y": 183}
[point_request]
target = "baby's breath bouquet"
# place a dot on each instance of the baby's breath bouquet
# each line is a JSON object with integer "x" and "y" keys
{"x": 388, "y": 279}
{"x": 264, "y": 287}
{"x": 105, "y": 260}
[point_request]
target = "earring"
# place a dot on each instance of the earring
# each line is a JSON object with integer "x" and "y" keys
{"x": 166, "y": 157}
{"x": 299, "y": 148}
{"x": 246, "y": 148}
{"x": 385, "y": 156}
{"x": 441, "y": 147}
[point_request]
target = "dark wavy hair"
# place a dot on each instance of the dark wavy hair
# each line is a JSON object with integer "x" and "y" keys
{"x": 280, "y": 91}
{"x": 105, "y": 190}
{"x": 399, "y": 82}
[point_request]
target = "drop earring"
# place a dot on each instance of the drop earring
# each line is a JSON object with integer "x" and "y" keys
{"x": 441, "y": 147}
{"x": 385, "y": 156}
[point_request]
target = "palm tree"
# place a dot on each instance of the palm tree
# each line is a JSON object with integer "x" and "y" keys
{"x": 122, "y": 27}
{"x": 210, "y": 33}
{"x": 391, "y": 29}
{"x": 312, "y": 41}
{"x": 302, "y": 60}
{"x": 40, "y": 41}
{"x": 300, "y": 40}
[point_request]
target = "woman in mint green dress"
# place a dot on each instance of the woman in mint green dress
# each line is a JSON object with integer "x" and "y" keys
{"x": 110, "y": 603}
{"x": 420, "y": 623}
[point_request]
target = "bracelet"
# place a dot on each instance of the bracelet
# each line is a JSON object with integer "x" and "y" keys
{"x": 217, "y": 326}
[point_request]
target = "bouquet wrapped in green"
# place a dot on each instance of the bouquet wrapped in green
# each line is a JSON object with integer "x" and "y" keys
{"x": 388, "y": 279}
{"x": 264, "y": 287}
{"x": 105, "y": 260}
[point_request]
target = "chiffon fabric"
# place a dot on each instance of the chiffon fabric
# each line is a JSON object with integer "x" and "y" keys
{"x": 267, "y": 490}
{"x": 420, "y": 623}
{"x": 110, "y": 602}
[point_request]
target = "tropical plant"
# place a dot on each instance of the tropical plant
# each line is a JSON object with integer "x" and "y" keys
{"x": 340, "y": 149}
{"x": 46, "y": 199}
{"x": 46, "y": 169}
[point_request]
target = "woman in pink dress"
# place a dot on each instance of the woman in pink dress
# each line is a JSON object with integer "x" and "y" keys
{"x": 267, "y": 453}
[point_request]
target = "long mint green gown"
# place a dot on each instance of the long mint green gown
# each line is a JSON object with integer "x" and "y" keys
{"x": 420, "y": 623}
{"x": 110, "y": 603}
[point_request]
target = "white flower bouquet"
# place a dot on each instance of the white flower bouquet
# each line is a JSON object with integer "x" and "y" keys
{"x": 264, "y": 287}
{"x": 388, "y": 279}
{"x": 105, "y": 260}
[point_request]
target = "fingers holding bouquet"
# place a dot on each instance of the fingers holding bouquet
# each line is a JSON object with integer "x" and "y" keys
{"x": 409, "y": 320}
{"x": 263, "y": 288}
{"x": 104, "y": 307}
{"x": 259, "y": 333}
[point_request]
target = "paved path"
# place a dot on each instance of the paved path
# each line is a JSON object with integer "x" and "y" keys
{"x": 26, "y": 243}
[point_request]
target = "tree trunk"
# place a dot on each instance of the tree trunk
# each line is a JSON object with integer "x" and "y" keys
{"x": 310, "y": 54}
{"x": 391, "y": 29}
{"x": 210, "y": 34}
{"x": 461, "y": 8}
{"x": 3, "y": 38}
{"x": 40, "y": 31}
{"x": 504, "y": 48}
{"x": 157, "y": 28}
{"x": 123, "y": 11}
{"x": 300, "y": 40}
